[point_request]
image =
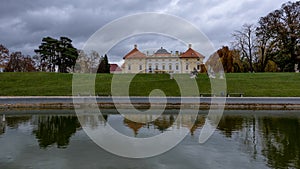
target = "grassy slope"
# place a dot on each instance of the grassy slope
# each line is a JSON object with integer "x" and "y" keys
{"x": 47, "y": 84}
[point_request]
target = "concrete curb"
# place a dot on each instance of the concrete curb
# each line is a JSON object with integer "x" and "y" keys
{"x": 66, "y": 102}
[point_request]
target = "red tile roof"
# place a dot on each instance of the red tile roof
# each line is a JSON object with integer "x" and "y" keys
{"x": 115, "y": 68}
{"x": 134, "y": 53}
{"x": 191, "y": 53}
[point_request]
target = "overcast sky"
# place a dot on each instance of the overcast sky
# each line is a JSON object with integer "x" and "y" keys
{"x": 25, "y": 22}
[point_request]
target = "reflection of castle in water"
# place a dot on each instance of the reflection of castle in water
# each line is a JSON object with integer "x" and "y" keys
{"x": 164, "y": 122}
{"x": 92, "y": 120}
{"x": 138, "y": 121}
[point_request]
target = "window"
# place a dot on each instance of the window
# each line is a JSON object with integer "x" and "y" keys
{"x": 163, "y": 67}
{"x": 177, "y": 67}
{"x": 129, "y": 67}
{"x": 156, "y": 67}
{"x": 141, "y": 67}
{"x": 198, "y": 67}
{"x": 187, "y": 59}
{"x": 187, "y": 66}
{"x": 170, "y": 67}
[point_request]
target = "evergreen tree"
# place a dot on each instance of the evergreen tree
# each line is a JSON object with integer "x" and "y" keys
{"x": 60, "y": 53}
{"x": 104, "y": 66}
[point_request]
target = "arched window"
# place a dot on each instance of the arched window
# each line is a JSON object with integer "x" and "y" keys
{"x": 150, "y": 68}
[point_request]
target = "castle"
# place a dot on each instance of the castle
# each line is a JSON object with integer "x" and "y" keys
{"x": 162, "y": 61}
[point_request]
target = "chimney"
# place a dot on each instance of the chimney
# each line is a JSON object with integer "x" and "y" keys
{"x": 190, "y": 45}
{"x": 135, "y": 46}
{"x": 177, "y": 52}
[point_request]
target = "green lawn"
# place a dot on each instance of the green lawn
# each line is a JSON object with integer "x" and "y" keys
{"x": 56, "y": 84}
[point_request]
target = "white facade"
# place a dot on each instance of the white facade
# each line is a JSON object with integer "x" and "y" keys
{"x": 162, "y": 61}
{"x": 156, "y": 63}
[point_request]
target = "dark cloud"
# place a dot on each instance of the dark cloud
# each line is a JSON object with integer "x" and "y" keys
{"x": 25, "y": 23}
{"x": 146, "y": 44}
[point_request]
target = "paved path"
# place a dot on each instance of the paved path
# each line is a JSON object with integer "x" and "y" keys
{"x": 171, "y": 100}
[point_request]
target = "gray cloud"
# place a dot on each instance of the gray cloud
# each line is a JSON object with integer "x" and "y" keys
{"x": 25, "y": 23}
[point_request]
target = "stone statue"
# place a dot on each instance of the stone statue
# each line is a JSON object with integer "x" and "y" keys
{"x": 211, "y": 72}
{"x": 222, "y": 74}
{"x": 194, "y": 73}
{"x": 296, "y": 68}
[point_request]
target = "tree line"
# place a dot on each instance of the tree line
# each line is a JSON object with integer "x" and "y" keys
{"x": 53, "y": 55}
{"x": 271, "y": 45}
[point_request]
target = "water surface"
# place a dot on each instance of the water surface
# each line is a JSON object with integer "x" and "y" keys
{"x": 244, "y": 139}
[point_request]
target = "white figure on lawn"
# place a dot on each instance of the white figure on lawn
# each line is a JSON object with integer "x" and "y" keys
{"x": 222, "y": 74}
{"x": 194, "y": 73}
{"x": 296, "y": 68}
{"x": 211, "y": 73}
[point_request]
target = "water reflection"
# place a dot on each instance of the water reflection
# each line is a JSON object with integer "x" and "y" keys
{"x": 281, "y": 143}
{"x": 229, "y": 124}
{"x": 55, "y": 130}
{"x": 15, "y": 121}
{"x": 276, "y": 138}
{"x": 12, "y": 121}
{"x": 273, "y": 139}
{"x": 2, "y": 124}
{"x": 163, "y": 123}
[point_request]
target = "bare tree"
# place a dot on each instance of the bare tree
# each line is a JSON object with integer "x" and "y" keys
{"x": 19, "y": 63}
{"x": 14, "y": 64}
{"x": 4, "y": 56}
{"x": 87, "y": 62}
{"x": 244, "y": 41}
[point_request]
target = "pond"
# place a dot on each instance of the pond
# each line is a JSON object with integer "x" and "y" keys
{"x": 243, "y": 139}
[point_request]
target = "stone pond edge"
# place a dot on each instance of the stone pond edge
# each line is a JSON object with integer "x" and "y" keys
{"x": 39, "y": 103}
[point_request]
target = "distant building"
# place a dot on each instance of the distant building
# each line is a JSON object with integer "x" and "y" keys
{"x": 114, "y": 68}
{"x": 162, "y": 61}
